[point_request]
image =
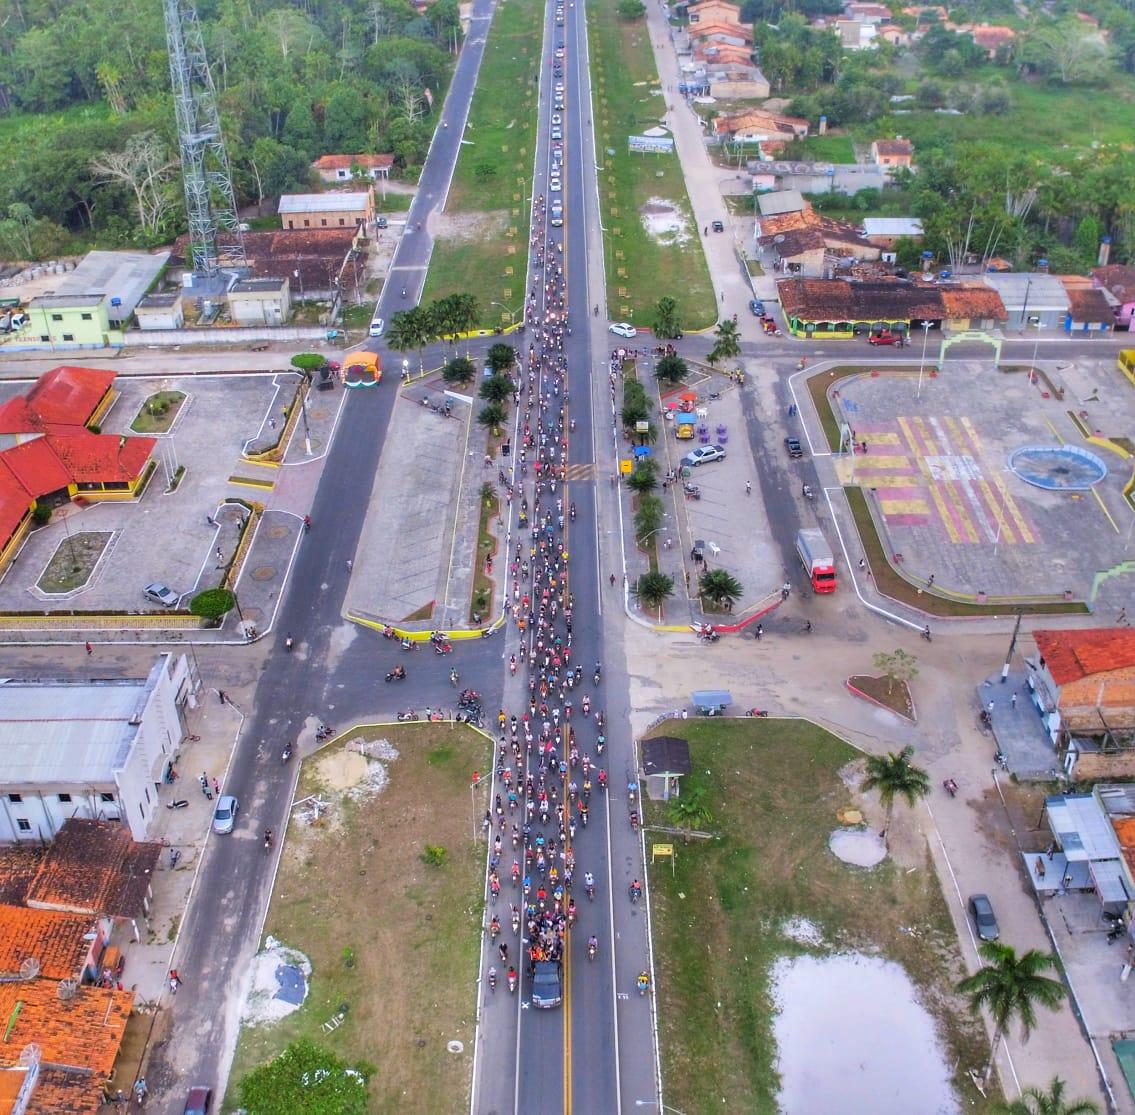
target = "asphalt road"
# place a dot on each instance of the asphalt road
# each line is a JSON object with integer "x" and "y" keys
{"x": 222, "y": 925}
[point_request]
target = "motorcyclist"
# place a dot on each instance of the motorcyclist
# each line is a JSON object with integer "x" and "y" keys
{"x": 636, "y": 890}
{"x": 643, "y": 982}
{"x": 592, "y": 945}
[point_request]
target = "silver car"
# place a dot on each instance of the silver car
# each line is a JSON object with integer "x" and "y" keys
{"x": 224, "y": 817}
{"x": 161, "y": 594}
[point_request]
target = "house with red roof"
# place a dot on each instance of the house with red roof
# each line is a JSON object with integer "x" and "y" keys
{"x": 342, "y": 168}
{"x": 1083, "y": 684}
{"x": 51, "y": 450}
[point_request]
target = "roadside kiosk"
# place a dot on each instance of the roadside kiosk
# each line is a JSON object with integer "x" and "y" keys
{"x": 711, "y": 702}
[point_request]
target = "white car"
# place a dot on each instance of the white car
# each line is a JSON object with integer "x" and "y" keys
{"x": 702, "y": 454}
{"x": 557, "y": 119}
{"x": 377, "y": 327}
{"x": 557, "y": 134}
{"x": 623, "y": 329}
{"x": 555, "y": 186}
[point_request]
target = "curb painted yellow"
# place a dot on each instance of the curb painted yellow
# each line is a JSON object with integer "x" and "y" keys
{"x": 453, "y": 635}
{"x": 248, "y": 482}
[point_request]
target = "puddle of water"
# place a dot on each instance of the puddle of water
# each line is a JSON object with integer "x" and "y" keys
{"x": 851, "y": 1036}
{"x": 857, "y": 846}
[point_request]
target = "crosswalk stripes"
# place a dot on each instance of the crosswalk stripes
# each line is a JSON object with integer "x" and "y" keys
{"x": 581, "y": 472}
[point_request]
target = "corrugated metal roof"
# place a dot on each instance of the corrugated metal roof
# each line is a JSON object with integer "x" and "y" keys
{"x": 1082, "y": 828}
{"x": 55, "y": 732}
{"x": 892, "y": 226}
{"x": 323, "y": 203}
{"x": 1042, "y": 291}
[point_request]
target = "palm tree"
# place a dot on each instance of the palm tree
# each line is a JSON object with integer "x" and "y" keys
{"x": 401, "y": 331}
{"x": 1034, "y": 1101}
{"x": 648, "y": 517}
{"x": 500, "y": 357}
{"x": 672, "y": 369}
{"x": 727, "y": 341}
{"x": 720, "y": 587}
{"x": 1011, "y": 986}
{"x": 895, "y": 776}
{"x": 690, "y": 810}
{"x": 496, "y": 389}
{"x": 644, "y": 478}
{"x": 459, "y": 370}
{"x": 666, "y": 323}
{"x": 654, "y": 589}
{"x": 493, "y": 415}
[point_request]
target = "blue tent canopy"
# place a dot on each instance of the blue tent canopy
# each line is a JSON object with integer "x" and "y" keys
{"x": 712, "y": 698}
{"x": 642, "y": 451}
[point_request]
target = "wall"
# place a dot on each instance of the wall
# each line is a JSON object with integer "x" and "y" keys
{"x": 235, "y": 336}
{"x": 1097, "y": 766}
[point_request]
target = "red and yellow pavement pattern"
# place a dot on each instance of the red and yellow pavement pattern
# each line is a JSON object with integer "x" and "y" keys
{"x": 933, "y": 470}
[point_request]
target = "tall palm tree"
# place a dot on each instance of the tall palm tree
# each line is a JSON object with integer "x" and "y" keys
{"x": 666, "y": 323}
{"x": 644, "y": 477}
{"x": 672, "y": 369}
{"x": 654, "y": 589}
{"x": 1035, "y": 1101}
{"x": 493, "y": 416}
{"x": 727, "y": 341}
{"x": 648, "y": 517}
{"x": 1010, "y": 987}
{"x": 720, "y": 587}
{"x": 895, "y": 776}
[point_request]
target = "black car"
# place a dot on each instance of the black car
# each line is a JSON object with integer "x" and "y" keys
{"x": 718, "y": 226}
{"x": 795, "y": 449}
{"x": 984, "y": 918}
{"x": 546, "y": 990}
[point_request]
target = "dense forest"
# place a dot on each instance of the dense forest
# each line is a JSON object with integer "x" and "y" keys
{"x": 86, "y": 110}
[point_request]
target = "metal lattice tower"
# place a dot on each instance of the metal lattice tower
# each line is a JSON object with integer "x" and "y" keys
{"x": 214, "y": 231}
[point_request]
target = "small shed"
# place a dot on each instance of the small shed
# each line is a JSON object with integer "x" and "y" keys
{"x": 261, "y": 301}
{"x": 161, "y": 311}
{"x": 665, "y": 759}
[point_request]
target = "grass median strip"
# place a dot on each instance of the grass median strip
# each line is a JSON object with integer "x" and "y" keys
{"x": 766, "y": 888}
{"x": 482, "y": 243}
{"x": 383, "y": 896}
{"x": 652, "y": 246}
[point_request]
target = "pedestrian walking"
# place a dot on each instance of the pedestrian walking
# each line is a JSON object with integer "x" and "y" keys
{"x": 1122, "y": 617}
{"x": 748, "y": 487}
{"x": 862, "y": 563}
{"x": 216, "y": 788}
{"x": 90, "y": 649}
{"x": 204, "y": 780}
{"x": 759, "y": 632}
{"x": 222, "y": 696}
{"x": 220, "y": 554}
{"x": 1013, "y": 701}
{"x": 174, "y": 979}
{"x": 989, "y": 708}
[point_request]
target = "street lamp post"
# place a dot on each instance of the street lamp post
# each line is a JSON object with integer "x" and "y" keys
{"x": 511, "y": 313}
{"x": 922, "y": 363}
{"x": 1036, "y": 348}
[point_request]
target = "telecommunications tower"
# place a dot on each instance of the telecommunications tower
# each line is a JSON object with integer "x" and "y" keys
{"x": 215, "y": 242}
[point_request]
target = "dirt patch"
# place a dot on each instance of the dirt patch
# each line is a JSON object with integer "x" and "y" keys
{"x": 392, "y": 942}
{"x": 892, "y": 695}
{"x": 470, "y": 226}
{"x": 665, "y": 222}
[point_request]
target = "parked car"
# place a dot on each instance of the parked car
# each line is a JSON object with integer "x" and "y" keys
{"x": 885, "y": 338}
{"x": 984, "y": 919}
{"x": 161, "y": 594}
{"x": 795, "y": 449}
{"x": 199, "y": 1101}
{"x": 377, "y": 327}
{"x": 757, "y": 307}
{"x": 224, "y": 817}
{"x": 718, "y": 226}
{"x": 381, "y": 222}
{"x": 623, "y": 329}
{"x": 702, "y": 454}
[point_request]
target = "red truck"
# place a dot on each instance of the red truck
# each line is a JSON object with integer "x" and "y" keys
{"x": 817, "y": 558}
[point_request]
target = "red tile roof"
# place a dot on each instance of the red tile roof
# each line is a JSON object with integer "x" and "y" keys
{"x": 102, "y": 458}
{"x": 704, "y": 30}
{"x": 94, "y": 867}
{"x": 36, "y": 466}
{"x": 84, "y": 1031}
{"x": 62, "y": 1092}
{"x": 1118, "y": 278}
{"x": 345, "y": 162}
{"x": 16, "y": 417}
{"x": 894, "y": 147}
{"x": 839, "y": 300}
{"x": 19, "y": 865}
{"x": 973, "y": 301}
{"x": 69, "y": 395}
{"x": 15, "y": 503}
{"x": 53, "y": 938}
{"x": 1072, "y": 655}
{"x": 1089, "y": 305}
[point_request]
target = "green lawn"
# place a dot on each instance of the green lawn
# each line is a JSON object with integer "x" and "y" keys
{"x": 821, "y": 149}
{"x": 773, "y": 789}
{"x": 483, "y": 248}
{"x": 389, "y": 936}
{"x": 640, "y": 267}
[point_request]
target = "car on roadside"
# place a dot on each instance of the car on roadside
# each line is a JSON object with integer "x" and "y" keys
{"x": 703, "y": 454}
{"x": 199, "y": 1101}
{"x": 756, "y": 307}
{"x": 984, "y": 919}
{"x": 555, "y": 186}
{"x": 224, "y": 816}
{"x": 377, "y": 327}
{"x": 161, "y": 594}
{"x": 718, "y": 226}
{"x": 381, "y": 222}
{"x": 885, "y": 338}
{"x": 623, "y": 329}
{"x": 546, "y": 987}
{"x": 795, "y": 449}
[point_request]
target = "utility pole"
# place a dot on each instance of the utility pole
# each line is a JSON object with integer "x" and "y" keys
{"x": 1012, "y": 648}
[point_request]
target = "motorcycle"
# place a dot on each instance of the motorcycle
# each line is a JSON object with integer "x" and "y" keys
{"x": 925, "y": 633}
{"x": 692, "y": 491}
{"x": 512, "y": 979}
{"x": 1002, "y": 762}
{"x": 757, "y": 712}
{"x": 516, "y": 921}
{"x": 635, "y": 893}
{"x": 388, "y": 632}
{"x": 289, "y": 642}
{"x": 177, "y": 803}
{"x": 409, "y": 714}
{"x": 592, "y": 949}
{"x": 396, "y": 675}
{"x": 493, "y": 980}
{"x": 287, "y": 753}
{"x": 442, "y": 648}
{"x": 951, "y": 787}
{"x": 324, "y": 731}
{"x": 634, "y": 821}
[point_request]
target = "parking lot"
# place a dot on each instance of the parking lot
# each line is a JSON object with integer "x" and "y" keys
{"x": 181, "y": 538}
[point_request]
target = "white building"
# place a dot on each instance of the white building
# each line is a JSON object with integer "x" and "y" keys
{"x": 97, "y": 749}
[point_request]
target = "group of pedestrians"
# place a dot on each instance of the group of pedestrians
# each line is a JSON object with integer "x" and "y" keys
{"x": 545, "y": 773}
